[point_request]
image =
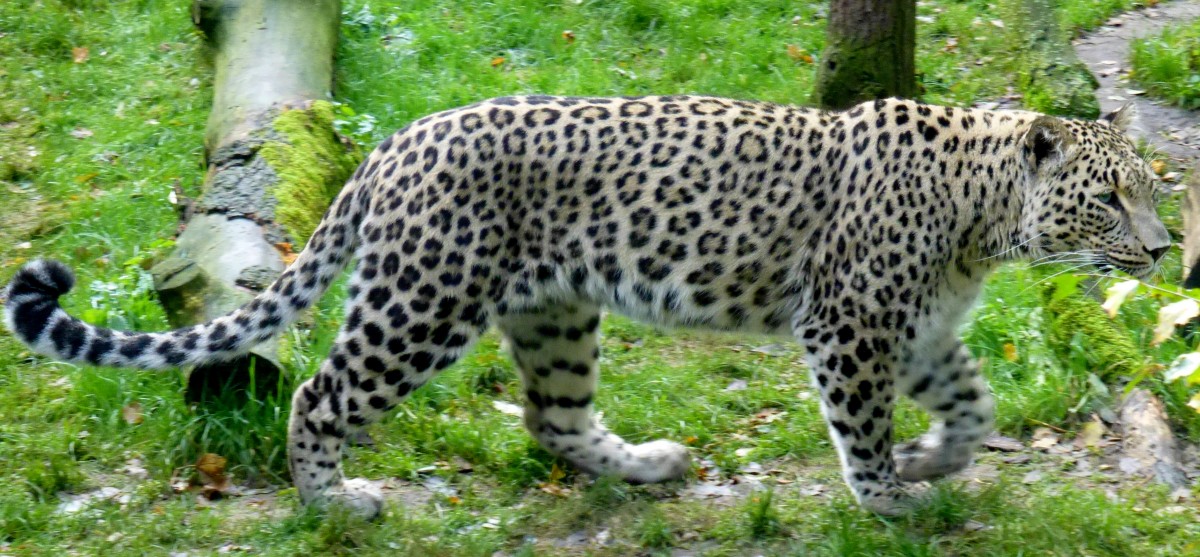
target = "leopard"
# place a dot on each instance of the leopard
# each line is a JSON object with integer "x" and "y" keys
{"x": 863, "y": 235}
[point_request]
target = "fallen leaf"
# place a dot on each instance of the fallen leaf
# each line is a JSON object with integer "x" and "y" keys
{"x": 81, "y": 133}
{"x": 497, "y": 61}
{"x": 79, "y": 54}
{"x": 1010, "y": 352}
{"x": 24, "y": 245}
{"x": 508, "y": 408}
{"x": 556, "y": 473}
{"x": 286, "y": 253}
{"x": 1090, "y": 435}
{"x": 1115, "y": 295}
{"x": 1183, "y": 366}
{"x": 799, "y": 54}
{"x": 569, "y": 36}
{"x": 1159, "y": 166}
{"x": 1044, "y": 438}
{"x": 84, "y": 178}
{"x": 736, "y": 385}
{"x": 212, "y": 473}
{"x": 132, "y": 413}
{"x": 1171, "y": 315}
{"x": 997, "y": 23}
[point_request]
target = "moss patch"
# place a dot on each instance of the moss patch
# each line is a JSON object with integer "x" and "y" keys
{"x": 312, "y": 162}
{"x": 1109, "y": 350}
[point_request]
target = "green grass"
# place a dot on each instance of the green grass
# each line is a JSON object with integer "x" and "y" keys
{"x": 100, "y": 203}
{"x": 1168, "y": 64}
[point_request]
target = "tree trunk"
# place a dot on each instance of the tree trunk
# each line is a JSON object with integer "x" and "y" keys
{"x": 274, "y": 164}
{"x": 1054, "y": 81}
{"x": 869, "y": 52}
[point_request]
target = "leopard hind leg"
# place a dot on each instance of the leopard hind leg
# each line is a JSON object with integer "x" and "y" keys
{"x": 393, "y": 341}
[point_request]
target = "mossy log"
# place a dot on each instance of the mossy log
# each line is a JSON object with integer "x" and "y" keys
{"x": 1054, "y": 80}
{"x": 869, "y": 53}
{"x": 274, "y": 164}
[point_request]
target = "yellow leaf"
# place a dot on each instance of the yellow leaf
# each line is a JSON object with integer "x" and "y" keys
{"x": 1171, "y": 315}
{"x": 497, "y": 61}
{"x": 1159, "y": 166}
{"x": 79, "y": 54}
{"x": 1115, "y": 296}
{"x": 454, "y": 500}
{"x": 556, "y": 473}
{"x": 1090, "y": 435}
{"x": 568, "y": 36}
{"x": 84, "y": 178}
{"x": 1010, "y": 352}
{"x": 1195, "y": 402}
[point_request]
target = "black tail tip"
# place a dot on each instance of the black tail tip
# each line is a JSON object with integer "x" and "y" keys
{"x": 44, "y": 277}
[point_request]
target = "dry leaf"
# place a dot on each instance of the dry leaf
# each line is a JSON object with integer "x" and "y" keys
{"x": 84, "y": 178}
{"x": 81, "y": 133}
{"x": 79, "y": 54}
{"x": 212, "y": 472}
{"x": 132, "y": 413}
{"x": 1010, "y": 352}
{"x": 1115, "y": 295}
{"x": 1171, "y": 315}
{"x": 285, "y": 252}
{"x": 799, "y": 54}
{"x": 569, "y": 36}
{"x": 690, "y": 440}
{"x": 1044, "y": 438}
{"x": 497, "y": 61}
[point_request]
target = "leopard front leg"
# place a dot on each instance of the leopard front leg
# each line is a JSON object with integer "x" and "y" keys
{"x": 556, "y": 348}
{"x": 854, "y": 373}
{"x": 943, "y": 377}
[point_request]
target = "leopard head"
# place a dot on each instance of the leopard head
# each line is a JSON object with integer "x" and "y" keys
{"x": 1090, "y": 197}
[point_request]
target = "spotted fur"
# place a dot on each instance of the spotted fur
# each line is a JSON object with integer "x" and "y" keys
{"x": 865, "y": 235}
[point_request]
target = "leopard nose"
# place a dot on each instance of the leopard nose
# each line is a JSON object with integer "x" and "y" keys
{"x": 1159, "y": 252}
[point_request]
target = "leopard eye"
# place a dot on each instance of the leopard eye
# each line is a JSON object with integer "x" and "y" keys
{"x": 1105, "y": 198}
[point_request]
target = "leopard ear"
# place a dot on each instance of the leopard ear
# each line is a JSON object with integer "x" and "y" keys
{"x": 1121, "y": 118}
{"x": 1047, "y": 144}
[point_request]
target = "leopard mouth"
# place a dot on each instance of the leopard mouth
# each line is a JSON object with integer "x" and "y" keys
{"x": 1140, "y": 272}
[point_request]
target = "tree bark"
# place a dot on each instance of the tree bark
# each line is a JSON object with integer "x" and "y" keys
{"x": 273, "y": 63}
{"x": 1054, "y": 81}
{"x": 869, "y": 52}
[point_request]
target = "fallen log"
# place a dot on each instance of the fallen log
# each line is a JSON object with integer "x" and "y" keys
{"x": 274, "y": 164}
{"x": 1148, "y": 446}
